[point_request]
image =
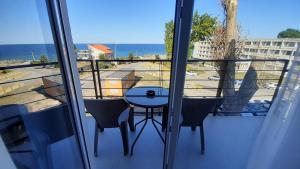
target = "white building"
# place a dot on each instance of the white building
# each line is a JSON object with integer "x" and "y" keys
{"x": 255, "y": 48}
{"x": 202, "y": 50}
{"x": 97, "y": 50}
{"x": 271, "y": 49}
{"x": 83, "y": 54}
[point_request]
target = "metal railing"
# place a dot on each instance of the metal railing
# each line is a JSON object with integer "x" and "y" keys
{"x": 201, "y": 79}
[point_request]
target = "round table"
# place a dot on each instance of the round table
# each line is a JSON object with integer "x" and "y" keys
{"x": 137, "y": 96}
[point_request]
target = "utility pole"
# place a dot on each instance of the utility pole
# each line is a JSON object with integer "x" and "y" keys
{"x": 32, "y": 54}
{"x": 115, "y": 50}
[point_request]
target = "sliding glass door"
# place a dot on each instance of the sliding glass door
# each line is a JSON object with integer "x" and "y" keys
{"x": 124, "y": 49}
{"x": 119, "y": 49}
{"x": 39, "y": 104}
{"x": 126, "y": 56}
{"x": 183, "y": 22}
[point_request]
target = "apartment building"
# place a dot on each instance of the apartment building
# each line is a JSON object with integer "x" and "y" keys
{"x": 255, "y": 49}
{"x": 271, "y": 49}
{"x": 83, "y": 54}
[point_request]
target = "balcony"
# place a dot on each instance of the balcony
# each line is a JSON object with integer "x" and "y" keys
{"x": 227, "y": 135}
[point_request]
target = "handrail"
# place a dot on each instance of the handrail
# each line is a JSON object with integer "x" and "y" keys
{"x": 93, "y": 67}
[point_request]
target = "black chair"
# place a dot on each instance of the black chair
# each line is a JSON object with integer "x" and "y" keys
{"x": 40, "y": 130}
{"x": 109, "y": 113}
{"x": 194, "y": 111}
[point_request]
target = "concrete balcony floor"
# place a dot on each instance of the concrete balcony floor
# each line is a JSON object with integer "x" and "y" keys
{"x": 228, "y": 142}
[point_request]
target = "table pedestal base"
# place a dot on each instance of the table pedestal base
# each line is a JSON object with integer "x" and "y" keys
{"x": 145, "y": 120}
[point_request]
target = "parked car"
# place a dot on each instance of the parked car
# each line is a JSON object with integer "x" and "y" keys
{"x": 214, "y": 77}
{"x": 191, "y": 73}
{"x": 271, "y": 85}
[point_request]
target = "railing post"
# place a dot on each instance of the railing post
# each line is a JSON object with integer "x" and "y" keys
{"x": 161, "y": 75}
{"x": 99, "y": 79}
{"x": 94, "y": 78}
{"x": 284, "y": 70}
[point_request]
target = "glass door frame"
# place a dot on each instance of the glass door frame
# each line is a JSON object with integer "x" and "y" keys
{"x": 61, "y": 34}
{"x": 182, "y": 31}
{"x": 61, "y": 29}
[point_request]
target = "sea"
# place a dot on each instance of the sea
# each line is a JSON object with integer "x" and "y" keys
{"x": 34, "y": 51}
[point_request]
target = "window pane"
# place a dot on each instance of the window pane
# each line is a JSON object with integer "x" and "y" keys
{"x": 35, "y": 117}
{"x": 135, "y": 40}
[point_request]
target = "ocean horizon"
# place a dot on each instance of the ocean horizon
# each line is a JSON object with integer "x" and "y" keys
{"x": 34, "y": 51}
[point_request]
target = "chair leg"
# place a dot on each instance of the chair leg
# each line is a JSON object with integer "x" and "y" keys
{"x": 131, "y": 119}
{"x": 96, "y": 140}
{"x": 164, "y": 118}
{"x": 124, "y": 134}
{"x": 202, "y": 139}
{"x": 193, "y": 128}
{"x": 179, "y": 130}
{"x": 101, "y": 129}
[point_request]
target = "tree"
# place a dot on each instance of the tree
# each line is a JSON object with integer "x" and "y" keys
{"x": 227, "y": 45}
{"x": 130, "y": 56}
{"x": 203, "y": 26}
{"x": 157, "y": 57}
{"x": 102, "y": 57}
{"x": 169, "y": 35}
{"x": 44, "y": 59}
{"x": 289, "y": 33}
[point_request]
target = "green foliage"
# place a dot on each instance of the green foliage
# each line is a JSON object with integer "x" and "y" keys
{"x": 203, "y": 26}
{"x": 57, "y": 65}
{"x": 289, "y": 33}
{"x": 190, "y": 51}
{"x": 157, "y": 57}
{"x": 104, "y": 65}
{"x": 169, "y": 35}
{"x": 35, "y": 62}
{"x": 130, "y": 56}
{"x": 6, "y": 71}
{"x": 102, "y": 57}
{"x": 44, "y": 59}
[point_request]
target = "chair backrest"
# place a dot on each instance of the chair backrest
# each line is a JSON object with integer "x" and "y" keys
{"x": 37, "y": 135}
{"x": 194, "y": 110}
{"x": 106, "y": 111}
{"x": 54, "y": 121}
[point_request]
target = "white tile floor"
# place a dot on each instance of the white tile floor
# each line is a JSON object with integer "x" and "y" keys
{"x": 228, "y": 142}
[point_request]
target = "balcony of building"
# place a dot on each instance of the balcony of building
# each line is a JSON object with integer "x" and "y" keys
{"x": 228, "y": 134}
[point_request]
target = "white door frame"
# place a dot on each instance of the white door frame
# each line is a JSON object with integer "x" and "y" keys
{"x": 60, "y": 26}
{"x": 183, "y": 23}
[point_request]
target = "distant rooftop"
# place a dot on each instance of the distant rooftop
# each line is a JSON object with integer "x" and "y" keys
{"x": 103, "y": 48}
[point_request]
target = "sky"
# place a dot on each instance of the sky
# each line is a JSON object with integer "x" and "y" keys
{"x": 135, "y": 21}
